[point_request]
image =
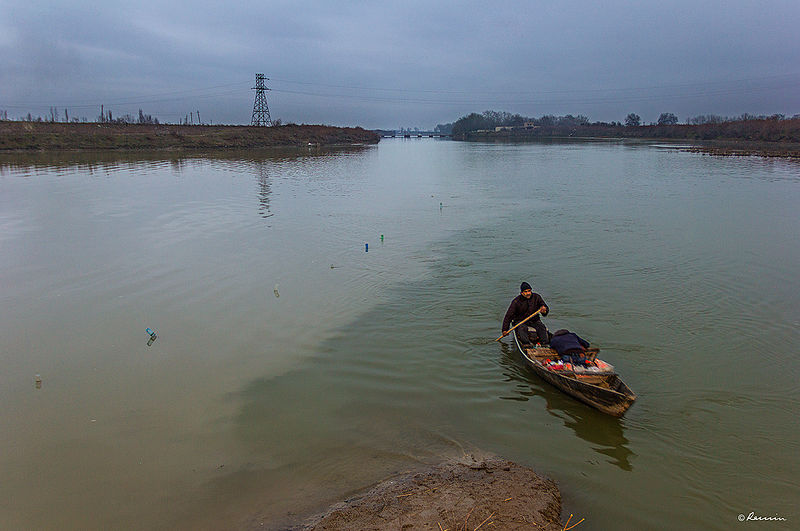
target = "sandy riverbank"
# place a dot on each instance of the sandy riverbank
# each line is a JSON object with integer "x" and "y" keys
{"x": 490, "y": 493}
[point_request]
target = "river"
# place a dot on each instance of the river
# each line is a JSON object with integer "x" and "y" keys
{"x": 326, "y": 318}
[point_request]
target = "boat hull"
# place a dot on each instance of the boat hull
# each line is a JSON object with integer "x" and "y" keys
{"x": 611, "y": 395}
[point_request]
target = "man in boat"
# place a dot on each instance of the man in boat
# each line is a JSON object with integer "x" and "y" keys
{"x": 524, "y": 305}
{"x": 570, "y": 346}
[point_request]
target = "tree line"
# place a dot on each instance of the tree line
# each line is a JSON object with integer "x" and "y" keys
{"x": 489, "y": 120}
{"x": 105, "y": 116}
{"x": 772, "y": 128}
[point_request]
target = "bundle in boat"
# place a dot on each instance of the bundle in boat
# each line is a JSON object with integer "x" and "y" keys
{"x": 597, "y": 385}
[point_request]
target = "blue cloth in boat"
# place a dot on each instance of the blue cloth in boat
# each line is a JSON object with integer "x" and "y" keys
{"x": 569, "y": 345}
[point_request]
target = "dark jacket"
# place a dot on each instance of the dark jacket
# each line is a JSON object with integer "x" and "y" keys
{"x": 564, "y": 343}
{"x": 520, "y": 308}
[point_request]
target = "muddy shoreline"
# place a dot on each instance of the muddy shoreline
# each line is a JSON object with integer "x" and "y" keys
{"x": 48, "y": 136}
{"x": 746, "y": 149}
{"x": 719, "y": 147}
{"x": 472, "y": 493}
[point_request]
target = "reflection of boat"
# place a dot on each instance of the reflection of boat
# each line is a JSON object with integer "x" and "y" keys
{"x": 605, "y": 434}
{"x": 601, "y": 389}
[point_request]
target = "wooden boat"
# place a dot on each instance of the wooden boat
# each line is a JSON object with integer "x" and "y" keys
{"x": 601, "y": 388}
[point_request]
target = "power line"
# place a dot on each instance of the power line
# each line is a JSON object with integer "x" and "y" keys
{"x": 729, "y": 87}
{"x": 427, "y": 96}
{"x": 151, "y": 98}
{"x": 549, "y": 101}
{"x": 546, "y": 92}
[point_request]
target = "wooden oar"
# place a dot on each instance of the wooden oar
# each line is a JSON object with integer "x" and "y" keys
{"x": 519, "y": 323}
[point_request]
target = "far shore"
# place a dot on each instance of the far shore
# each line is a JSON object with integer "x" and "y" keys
{"x": 54, "y": 136}
{"x": 743, "y": 148}
{"x": 47, "y": 137}
{"x": 719, "y": 147}
{"x": 761, "y": 136}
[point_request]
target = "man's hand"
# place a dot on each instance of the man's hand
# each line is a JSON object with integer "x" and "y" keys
{"x": 505, "y": 333}
{"x": 543, "y": 310}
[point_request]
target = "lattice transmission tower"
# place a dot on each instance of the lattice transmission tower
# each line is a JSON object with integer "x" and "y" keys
{"x": 260, "y": 107}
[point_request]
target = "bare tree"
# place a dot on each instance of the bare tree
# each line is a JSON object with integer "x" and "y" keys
{"x": 667, "y": 118}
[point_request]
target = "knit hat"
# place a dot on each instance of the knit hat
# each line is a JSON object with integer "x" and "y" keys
{"x": 524, "y": 286}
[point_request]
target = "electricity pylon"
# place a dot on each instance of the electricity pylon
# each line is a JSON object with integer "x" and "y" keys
{"x": 260, "y": 107}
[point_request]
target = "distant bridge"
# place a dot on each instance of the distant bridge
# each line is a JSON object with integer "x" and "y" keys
{"x": 411, "y": 134}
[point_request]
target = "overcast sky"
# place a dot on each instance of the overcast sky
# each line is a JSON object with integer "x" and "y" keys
{"x": 403, "y": 63}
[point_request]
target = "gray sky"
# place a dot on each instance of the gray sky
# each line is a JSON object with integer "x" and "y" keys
{"x": 403, "y": 63}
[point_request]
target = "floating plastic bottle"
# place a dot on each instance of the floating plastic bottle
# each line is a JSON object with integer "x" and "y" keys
{"x": 381, "y": 237}
{"x": 153, "y": 336}
{"x": 38, "y": 381}
{"x": 366, "y": 247}
{"x": 275, "y": 291}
